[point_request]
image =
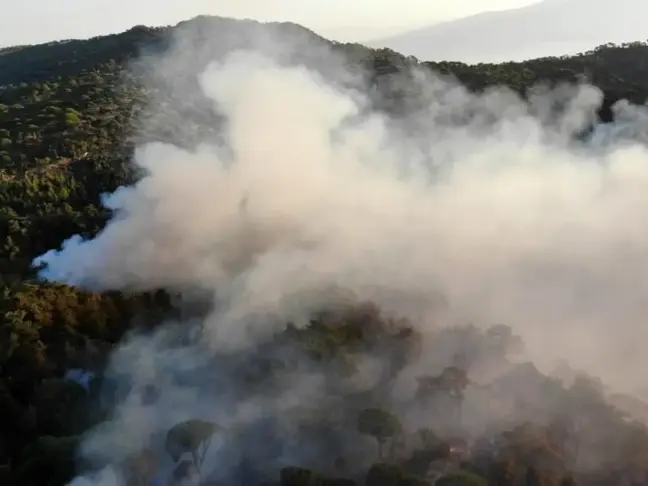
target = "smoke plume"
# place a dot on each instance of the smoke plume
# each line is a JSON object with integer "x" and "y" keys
{"x": 468, "y": 209}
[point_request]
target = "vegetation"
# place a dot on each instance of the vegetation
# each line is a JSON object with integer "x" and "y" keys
{"x": 67, "y": 117}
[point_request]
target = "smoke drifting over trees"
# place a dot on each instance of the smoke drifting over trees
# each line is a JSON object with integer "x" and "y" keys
{"x": 359, "y": 284}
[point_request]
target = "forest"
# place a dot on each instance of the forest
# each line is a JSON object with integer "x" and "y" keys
{"x": 71, "y": 114}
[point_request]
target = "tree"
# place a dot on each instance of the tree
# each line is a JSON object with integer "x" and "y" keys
{"x": 141, "y": 468}
{"x": 48, "y": 461}
{"x": 384, "y": 475}
{"x": 298, "y": 476}
{"x": 568, "y": 481}
{"x": 502, "y": 472}
{"x": 451, "y": 382}
{"x": 60, "y": 407}
{"x": 461, "y": 478}
{"x": 193, "y": 436}
{"x": 379, "y": 424}
{"x": 432, "y": 448}
{"x": 533, "y": 477}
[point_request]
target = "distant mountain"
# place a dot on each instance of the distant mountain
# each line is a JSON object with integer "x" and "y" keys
{"x": 548, "y": 28}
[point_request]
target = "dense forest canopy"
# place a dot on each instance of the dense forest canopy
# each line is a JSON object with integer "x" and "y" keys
{"x": 354, "y": 392}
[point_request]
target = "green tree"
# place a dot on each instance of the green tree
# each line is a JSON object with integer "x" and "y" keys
{"x": 379, "y": 424}
{"x": 193, "y": 436}
{"x": 384, "y": 475}
{"x": 461, "y": 478}
{"x": 298, "y": 476}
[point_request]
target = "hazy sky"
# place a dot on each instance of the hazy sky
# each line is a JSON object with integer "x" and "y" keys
{"x": 33, "y": 21}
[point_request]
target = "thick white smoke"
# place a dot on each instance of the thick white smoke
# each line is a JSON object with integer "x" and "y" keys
{"x": 508, "y": 230}
{"x": 483, "y": 211}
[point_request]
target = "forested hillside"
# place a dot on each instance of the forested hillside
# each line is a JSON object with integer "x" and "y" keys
{"x": 70, "y": 115}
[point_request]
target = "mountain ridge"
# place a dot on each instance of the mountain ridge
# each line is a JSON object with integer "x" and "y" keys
{"x": 524, "y": 33}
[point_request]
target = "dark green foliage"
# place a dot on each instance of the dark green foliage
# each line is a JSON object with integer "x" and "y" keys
{"x": 338, "y": 482}
{"x": 384, "y": 475}
{"x": 461, "y": 479}
{"x": 420, "y": 460}
{"x": 193, "y": 437}
{"x": 379, "y": 424}
{"x": 297, "y": 476}
{"x": 502, "y": 473}
{"x": 567, "y": 481}
{"x": 49, "y": 461}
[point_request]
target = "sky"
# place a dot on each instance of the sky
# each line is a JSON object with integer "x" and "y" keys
{"x": 35, "y": 21}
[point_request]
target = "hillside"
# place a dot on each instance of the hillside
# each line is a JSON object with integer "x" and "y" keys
{"x": 71, "y": 113}
{"x": 548, "y": 28}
